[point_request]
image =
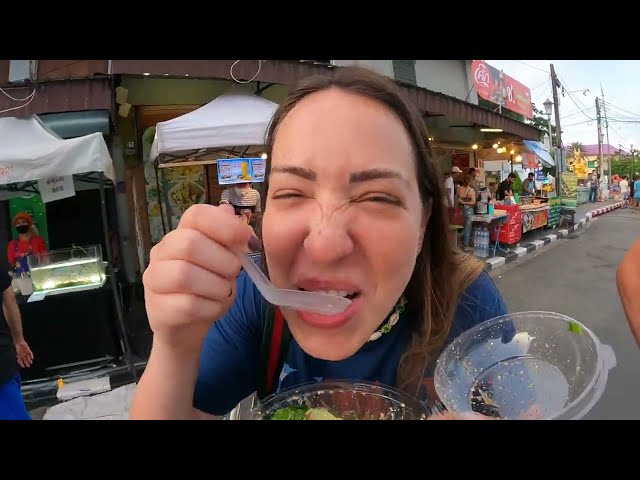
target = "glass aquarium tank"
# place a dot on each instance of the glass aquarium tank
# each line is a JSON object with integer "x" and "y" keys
{"x": 69, "y": 269}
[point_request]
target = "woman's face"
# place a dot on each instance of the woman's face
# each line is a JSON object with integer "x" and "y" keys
{"x": 344, "y": 215}
{"x": 22, "y": 226}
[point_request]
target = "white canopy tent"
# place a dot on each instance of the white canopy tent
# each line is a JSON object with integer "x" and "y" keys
{"x": 30, "y": 151}
{"x": 236, "y": 119}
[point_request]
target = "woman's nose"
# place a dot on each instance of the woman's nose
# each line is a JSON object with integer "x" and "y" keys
{"x": 328, "y": 239}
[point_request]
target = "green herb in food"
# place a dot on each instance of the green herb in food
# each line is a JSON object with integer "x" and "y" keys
{"x": 575, "y": 328}
{"x": 290, "y": 413}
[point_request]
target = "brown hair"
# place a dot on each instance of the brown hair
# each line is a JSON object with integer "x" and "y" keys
{"x": 467, "y": 179}
{"x": 441, "y": 273}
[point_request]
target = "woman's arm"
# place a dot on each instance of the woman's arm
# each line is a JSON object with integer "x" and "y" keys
{"x": 11, "y": 255}
{"x": 209, "y": 383}
{"x": 165, "y": 390}
{"x": 628, "y": 282}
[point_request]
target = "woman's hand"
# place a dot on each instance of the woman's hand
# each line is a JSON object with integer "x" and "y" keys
{"x": 460, "y": 416}
{"x": 534, "y": 412}
{"x": 191, "y": 278}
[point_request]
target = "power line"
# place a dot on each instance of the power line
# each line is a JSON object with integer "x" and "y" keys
{"x": 583, "y": 112}
{"x": 622, "y": 112}
{"x": 567, "y": 91}
{"x": 564, "y": 84}
{"x": 574, "y": 113}
{"x": 531, "y": 66}
{"x": 540, "y": 85}
{"x": 589, "y": 122}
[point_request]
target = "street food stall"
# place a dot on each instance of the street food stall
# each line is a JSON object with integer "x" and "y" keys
{"x": 72, "y": 312}
{"x": 227, "y": 134}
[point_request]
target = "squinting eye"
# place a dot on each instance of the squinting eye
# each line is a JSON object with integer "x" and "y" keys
{"x": 382, "y": 199}
{"x": 281, "y": 196}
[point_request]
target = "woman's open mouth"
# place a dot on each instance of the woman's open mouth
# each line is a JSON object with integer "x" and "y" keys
{"x": 338, "y": 293}
{"x": 332, "y": 321}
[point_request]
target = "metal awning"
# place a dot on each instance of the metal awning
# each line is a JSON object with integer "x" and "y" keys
{"x": 78, "y": 124}
{"x": 291, "y": 72}
{"x": 541, "y": 152}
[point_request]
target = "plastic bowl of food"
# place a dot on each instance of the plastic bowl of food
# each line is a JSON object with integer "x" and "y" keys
{"x": 340, "y": 400}
{"x": 529, "y": 365}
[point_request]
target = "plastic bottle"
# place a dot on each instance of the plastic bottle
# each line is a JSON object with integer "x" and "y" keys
{"x": 477, "y": 248}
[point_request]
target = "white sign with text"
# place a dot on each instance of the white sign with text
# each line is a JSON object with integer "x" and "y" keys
{"x": 56, "y": 188}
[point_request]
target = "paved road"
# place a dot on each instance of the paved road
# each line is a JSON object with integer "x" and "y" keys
{"x": 576, "y": 277}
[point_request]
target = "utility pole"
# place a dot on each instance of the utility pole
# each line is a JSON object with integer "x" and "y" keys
{"x": 599, "y": 118}
{"x": 604, "y": 105}
{"x": 559, "y": 146}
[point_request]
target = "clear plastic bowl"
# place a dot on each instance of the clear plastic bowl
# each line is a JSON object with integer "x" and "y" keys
{"x": 346, "y": 400}
{"x": 529, "y": 365}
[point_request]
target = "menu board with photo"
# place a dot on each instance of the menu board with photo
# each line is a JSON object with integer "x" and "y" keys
{"x": 241, "y": 170}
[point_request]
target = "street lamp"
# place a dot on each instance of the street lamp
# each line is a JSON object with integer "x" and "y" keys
{"x": 548, "y": 105}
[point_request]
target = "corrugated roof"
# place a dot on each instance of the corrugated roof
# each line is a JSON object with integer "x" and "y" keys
{"x": 59, "y": 96}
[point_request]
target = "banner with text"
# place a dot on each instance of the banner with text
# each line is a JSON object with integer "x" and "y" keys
{"x": 569, "y": 185}
{"x": 56, "y": 188}
{"x": 493, "y": 85}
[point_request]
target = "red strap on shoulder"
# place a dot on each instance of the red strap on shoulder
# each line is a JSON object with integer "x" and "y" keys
{"x": 274, "y": 350}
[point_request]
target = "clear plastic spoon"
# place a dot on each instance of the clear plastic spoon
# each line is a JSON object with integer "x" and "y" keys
{"x": 322, "y": 303}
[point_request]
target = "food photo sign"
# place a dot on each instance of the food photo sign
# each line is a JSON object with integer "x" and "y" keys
{"x": 241, "y": 170}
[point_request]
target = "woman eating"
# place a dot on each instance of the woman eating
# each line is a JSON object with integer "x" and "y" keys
{"x": 353, "y": 206}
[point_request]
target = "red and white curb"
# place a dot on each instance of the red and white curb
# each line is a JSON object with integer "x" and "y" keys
{"x": 527, "y": 248}
{"x": 600, "y": 211}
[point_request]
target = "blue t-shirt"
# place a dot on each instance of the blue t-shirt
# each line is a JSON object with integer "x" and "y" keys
{"x": 636, "y": 189}
{"x": 229, "y": 362}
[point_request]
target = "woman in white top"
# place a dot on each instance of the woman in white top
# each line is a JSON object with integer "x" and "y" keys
{"x": 468, "y": 201}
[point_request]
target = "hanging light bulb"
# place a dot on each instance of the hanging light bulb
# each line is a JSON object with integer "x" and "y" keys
{"x": 519, "y": 158}
{"x": 474, "y": 146}
{"x": 512, "y": 152}
{"x": 495, "y": 145}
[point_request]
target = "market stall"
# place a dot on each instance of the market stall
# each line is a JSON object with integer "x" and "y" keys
{"x": 228, "y": 133}
{"x": 70, "y": 287}
{"x": 534, "y": 216}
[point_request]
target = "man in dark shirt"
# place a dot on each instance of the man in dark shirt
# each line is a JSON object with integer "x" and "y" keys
{"x": 506, "y": 187}
{"x": 14, "y": 351}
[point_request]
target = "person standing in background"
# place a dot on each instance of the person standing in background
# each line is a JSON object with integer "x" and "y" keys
{"x": 506, "y": 187}
{"x": 475, "y": 173}
{"x": 636, "y": 192}
{"x": 449, "y": 189}
{"x": 28, "y": 243}
{"x": 14, "y": 352}
{"x": 529, "y": 186}
{"x": 593, "y": 187}
{"x": 624, "y": 190}
{"x": 242, "y": 197}
{"x": 468, "y": 200}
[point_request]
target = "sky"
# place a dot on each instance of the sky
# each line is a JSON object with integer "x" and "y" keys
{"x": 619, "y": 79}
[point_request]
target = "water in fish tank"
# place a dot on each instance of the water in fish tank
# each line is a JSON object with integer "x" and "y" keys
{"x": 58, "y": 269}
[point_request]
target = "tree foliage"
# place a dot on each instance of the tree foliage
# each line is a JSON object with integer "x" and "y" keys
{"x": 541, "y": 122}
{"x": 625, "y": 166}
